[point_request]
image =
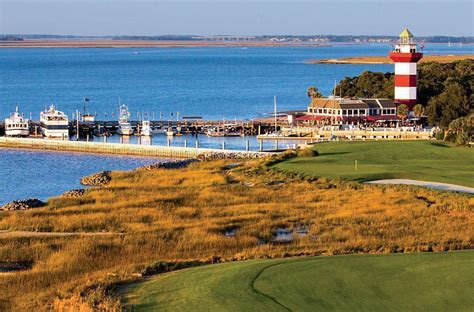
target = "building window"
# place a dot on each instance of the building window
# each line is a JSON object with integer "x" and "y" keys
{"x": 362, "y": 112}
{"x": 384, "y": 112}
{"x": 344, "y": 112}
{"x": 320, "y": 111}
{"x": 349, "y": 112}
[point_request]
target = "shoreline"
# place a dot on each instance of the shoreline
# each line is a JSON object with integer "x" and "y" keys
{"x": 149, "y": 44}
{"x": 448, "y": 58}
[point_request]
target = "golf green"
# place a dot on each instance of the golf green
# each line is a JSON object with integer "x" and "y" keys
{"x": 377, "y": 160}
{"x": 391, "y": 282}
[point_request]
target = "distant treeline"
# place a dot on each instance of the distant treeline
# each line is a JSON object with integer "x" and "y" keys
{"x": 10, "y": 38}
{"x": 309, "y": 38}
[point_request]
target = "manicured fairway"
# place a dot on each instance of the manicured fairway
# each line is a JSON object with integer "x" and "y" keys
{"x": 378, "y": 160}
{"x": 394, "y": 282}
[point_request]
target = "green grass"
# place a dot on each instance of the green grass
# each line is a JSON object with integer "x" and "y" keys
{"x": 417, "y": 160}
{"x": 393, "y": 282}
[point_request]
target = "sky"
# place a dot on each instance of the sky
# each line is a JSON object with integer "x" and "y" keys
{"x": 232, "y": 17}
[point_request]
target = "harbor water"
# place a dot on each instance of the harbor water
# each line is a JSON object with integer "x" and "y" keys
{"x": 41, "y": 174}
{"x": 213, "y": 82}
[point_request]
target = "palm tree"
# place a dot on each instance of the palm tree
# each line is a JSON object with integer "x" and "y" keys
{"x": 314, "y": 93}
{"x": 402, "y": 111}
{"x": 418, "y": 110}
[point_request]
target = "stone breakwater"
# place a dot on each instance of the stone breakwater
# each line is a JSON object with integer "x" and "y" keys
{"x": 234, "y": 155}
{"x": 97, "y": 179}
{"x": 74, "y": 193}
{"x": 23, "y": 204}
{"x": 168, "y": 165}
{"x": 124, "y": 149}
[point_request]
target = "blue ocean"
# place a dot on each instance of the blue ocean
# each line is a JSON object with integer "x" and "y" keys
{"x": 212, "y": 82}
{"x": 215, "y": 83}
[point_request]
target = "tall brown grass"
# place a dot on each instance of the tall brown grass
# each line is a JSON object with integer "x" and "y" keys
{"x": 178, "y": 215}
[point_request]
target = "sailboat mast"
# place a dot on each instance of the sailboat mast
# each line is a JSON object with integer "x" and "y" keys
{"x": 275, "y": 111}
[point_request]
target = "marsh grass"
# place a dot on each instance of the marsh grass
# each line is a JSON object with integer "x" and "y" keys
{"x": 182, "y": 215}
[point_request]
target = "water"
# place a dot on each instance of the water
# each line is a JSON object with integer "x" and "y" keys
{"x": 230, "y": 82}
{"x": 214, "y": 83}
{"x": 233, "y": 143}
{"x": 41, "y": 174}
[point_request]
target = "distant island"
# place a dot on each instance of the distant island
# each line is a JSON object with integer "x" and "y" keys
{"x": 45, "y": 40}
{"x": 387, "y": 60}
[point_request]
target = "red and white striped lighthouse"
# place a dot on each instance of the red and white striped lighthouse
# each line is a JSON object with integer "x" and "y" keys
{"x": 405, "y": 57}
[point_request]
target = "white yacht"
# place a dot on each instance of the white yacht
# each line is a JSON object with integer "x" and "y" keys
{"x": 159, "y": 130}
{"x": 125, "y": 128}
{"x": 54, "y": 123}
{"x": 146, "y": 128}
{"x": 16, "y": 125}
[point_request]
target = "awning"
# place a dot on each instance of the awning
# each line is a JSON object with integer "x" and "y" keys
{"x": 383, "y": 118}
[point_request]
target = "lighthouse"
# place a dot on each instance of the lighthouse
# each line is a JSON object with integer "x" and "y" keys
{"x": 405, "y": 58}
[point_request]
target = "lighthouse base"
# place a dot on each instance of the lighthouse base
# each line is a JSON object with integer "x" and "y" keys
{"x": 410, "y": 103}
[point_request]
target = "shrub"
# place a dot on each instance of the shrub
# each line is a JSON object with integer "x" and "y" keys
{"x": 308, "y": 152}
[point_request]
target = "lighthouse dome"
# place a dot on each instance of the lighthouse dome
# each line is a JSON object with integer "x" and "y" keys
{"x": 406, "y": 37}
{"x": 406, "y": 34}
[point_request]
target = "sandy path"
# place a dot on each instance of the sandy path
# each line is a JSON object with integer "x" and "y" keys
{"x": 16, "y": 234}
{"x": 434, "y": 185}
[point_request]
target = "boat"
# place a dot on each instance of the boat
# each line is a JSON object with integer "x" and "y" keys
{"x": 125, "y": 128}
{"x": 16, "y": 125}
{"x": 146, "y": 128}
{"x": 223, "y": 132}
{"x": 54, "y": 123}
{"x": 158, "y": 130}
{"x": 86, "y": 116}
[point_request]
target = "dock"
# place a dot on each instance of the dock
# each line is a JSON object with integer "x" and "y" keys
{"x": 125, "y": 149}
{"x": 312, "y": 135}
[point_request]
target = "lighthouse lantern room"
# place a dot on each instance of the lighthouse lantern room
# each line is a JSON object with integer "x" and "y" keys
{"x": 405, "y": 58}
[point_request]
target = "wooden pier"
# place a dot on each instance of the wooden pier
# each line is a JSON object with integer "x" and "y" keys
{"x": 124, "y": 149}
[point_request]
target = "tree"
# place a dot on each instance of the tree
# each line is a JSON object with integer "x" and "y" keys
{"x": 451, "y": 104}
{"x": 418, "y": 110}
{"x": 314, "y": 93}
{"x": 462, "y": 128}
{"x": 402, "y": 111}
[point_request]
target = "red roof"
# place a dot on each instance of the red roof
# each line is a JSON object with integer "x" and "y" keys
{"x": 382, "y": 117}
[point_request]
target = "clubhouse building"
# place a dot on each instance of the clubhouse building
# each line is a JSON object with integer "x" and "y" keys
{"x": 338, "y": 111}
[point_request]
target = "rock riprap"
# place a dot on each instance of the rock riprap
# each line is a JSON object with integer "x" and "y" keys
{"x": 74, "y": 193}
{"x": 236, "y": 155}
{"x": 23, "y": 204}
{"x": 168, "y": 165}
{"x": 97, "y": 179}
